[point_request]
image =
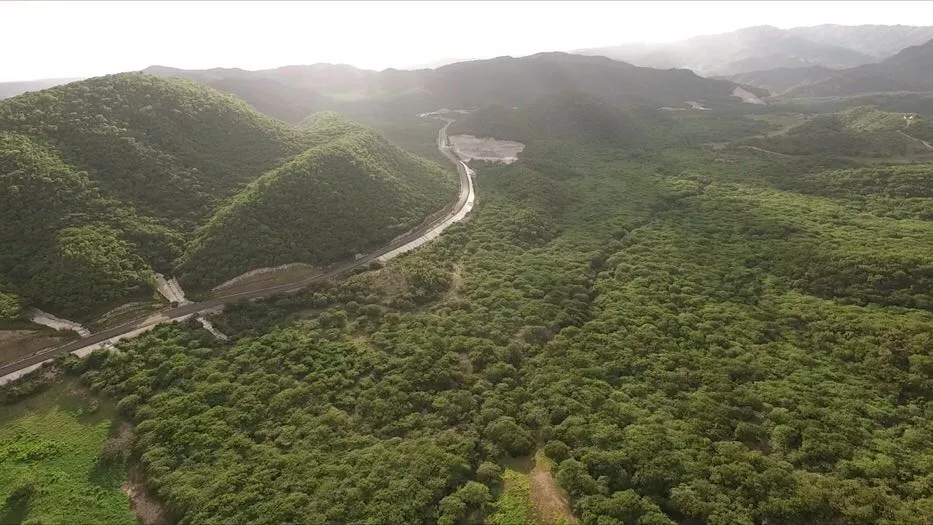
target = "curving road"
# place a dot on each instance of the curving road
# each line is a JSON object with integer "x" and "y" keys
{"x": 925, "y": 143}
{"x": 460, "y": 208}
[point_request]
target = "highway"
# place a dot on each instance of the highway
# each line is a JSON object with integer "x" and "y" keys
{"x": 425, "y": 233}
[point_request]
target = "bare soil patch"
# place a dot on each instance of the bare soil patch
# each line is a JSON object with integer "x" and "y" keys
{"x": 123, "y": 314}
{"x": 390, "y": 283}
{"x": 456, "y": 281}
{"x": 551, "y": 503}
{"x": 147, "y": 509}
{"x": 15, "y": 344}
{"x": 266, "y": 277}
{"x": 120, "y": 444}
{"x": 747, "y": 96}
{"x": 488, "y": 149}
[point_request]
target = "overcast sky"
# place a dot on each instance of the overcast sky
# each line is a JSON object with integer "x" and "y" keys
{"x": 74, "y": 39}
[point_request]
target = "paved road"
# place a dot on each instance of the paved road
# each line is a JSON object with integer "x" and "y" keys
{"x": 184, "y": 311}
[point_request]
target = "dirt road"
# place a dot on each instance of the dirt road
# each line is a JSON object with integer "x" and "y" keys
{"x": 926, "y": 144}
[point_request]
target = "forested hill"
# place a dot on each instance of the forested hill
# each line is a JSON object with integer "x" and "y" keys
{"x": 347, "y": 196}
{"x": 861, "y": 131}
{"x": 169, "y": 147}
{"x": 747, "y": 49}
{"x": 909, "y": 70}
{"x": 104, "y": 181}
{"x": 517, "y": 81}
{"x": 783, "y": 79}
{"x": 293, "y": 92}
{"x": 566, "y": 117}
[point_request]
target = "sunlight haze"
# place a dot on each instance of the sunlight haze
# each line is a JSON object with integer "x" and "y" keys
{"x": 73, "y": 39}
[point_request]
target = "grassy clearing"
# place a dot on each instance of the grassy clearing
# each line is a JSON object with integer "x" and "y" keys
{"x": 51, "y": 469}
{"x": 550, "y": 501}
{"x": 514, "y": 506}
{"x": 530, "y": 495}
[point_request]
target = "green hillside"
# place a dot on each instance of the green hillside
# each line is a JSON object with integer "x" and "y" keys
{"x": 101, "y": 181}
{"x": 563, "y": 117}
{"x": 780, "y": 80}
{"x": 348, "y": 196}
{"x": 66, "y": 245}
{"x": 169, "y": 147}
{"x": 861, "y": 131}
{"x": 105, "y": 181}
{"x": 575, "y": 124}
{"x": 908, "y": 70}
{"x": 517, "y": 81}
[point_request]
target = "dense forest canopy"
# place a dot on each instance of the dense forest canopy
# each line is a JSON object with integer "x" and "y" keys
{"x": 325, "y": 205}
{"x": 690, "y": 316}
{"x": 689, "y": 334}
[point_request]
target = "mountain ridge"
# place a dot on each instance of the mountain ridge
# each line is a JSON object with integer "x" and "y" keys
{"x": 767, "y": 47}
{"x": 910, "y": 70}
{"x": 507, "y": 81}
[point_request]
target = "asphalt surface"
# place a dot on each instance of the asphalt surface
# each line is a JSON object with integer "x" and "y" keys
{"x": 170, "y": 314}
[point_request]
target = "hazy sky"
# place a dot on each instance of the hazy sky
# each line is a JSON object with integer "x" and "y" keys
{"x": 72, "y": 39}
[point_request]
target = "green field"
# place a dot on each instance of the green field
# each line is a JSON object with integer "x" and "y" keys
{"x": 51, "y": 466}
{"x": 514, "y": 506}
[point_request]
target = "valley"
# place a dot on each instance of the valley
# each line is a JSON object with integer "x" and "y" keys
{"x": 582, "y": 292}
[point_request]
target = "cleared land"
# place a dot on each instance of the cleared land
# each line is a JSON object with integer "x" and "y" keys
{"x": 15, "y": 344}
{"x": 530, "y": 495}
{"x": 488, "y": 149}
{"x": 53, "y": 468}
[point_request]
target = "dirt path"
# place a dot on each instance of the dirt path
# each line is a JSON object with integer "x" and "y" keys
{"x": 926, "y": 144}
{"x": 264, "y": 276}
{"x": 756, "y": 148}
{"x": 550, "y": 501}
{"x": 148, "y": 511}
{"x": 17, "y": 343}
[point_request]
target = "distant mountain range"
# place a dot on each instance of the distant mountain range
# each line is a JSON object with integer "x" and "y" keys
{"x": 766, "y": 47}
{"x": 818, "y": 61}
{"x": 783, "y": 79}
{"x": 291, "y": 93}
{"x": 910, "y": 70}
{"x": 11, "y": 89}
